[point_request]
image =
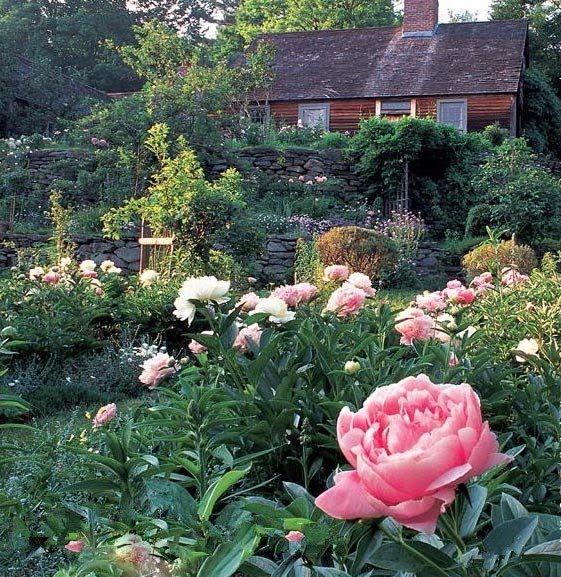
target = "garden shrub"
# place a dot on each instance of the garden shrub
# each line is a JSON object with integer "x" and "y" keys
{"x": 522, "y": 196}
{"x": 494, "y": 257}
{"x": 360, "y": 249}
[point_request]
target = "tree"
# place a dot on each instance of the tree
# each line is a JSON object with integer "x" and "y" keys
{"x": 71, "y": 34}
{"x": 191, "y": 18}
{"x": 257, "y": 16}
{"x": 544, "y": 17}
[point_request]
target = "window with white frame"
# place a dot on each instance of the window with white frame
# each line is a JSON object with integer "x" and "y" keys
{"x": 314, "y": 115}
{"x": 452, "y": 112}
{"x": 395, "y": 107}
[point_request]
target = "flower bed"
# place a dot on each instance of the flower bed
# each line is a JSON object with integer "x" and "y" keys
{"x": 313, "y": 430}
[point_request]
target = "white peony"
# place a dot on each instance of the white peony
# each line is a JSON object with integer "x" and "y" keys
{"x": 528, "y": 346}
{"x": 87, "y": 265}
{"x": 148, "y": 277}
{"x": 205, "y": 288}
{"x": 276, "y": 308}
{"x": 107, "y": 265}
{"x": 36, "y": 272}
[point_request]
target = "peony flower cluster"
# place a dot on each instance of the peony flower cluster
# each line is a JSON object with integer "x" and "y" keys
{"x": 511, "y": 277}
{"x": 482, "y": 283}
{"x": 104, "y": 415}
{"x": 148, "y": 277}
{"x": 294, "y": 295}
{"x": 410, "y": 445}
{"x": 203, "y": 289}
{"x": 156, "y": 369}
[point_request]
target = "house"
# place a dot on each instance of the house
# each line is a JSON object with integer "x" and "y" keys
{"x": 465, "y": 74}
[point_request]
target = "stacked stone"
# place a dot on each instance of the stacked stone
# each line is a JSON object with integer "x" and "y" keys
{"x": 277, "y": 264}
{"x": 433, "y": 261}
{"x": 44, "y": 170}
{"x": 287, "y": 164}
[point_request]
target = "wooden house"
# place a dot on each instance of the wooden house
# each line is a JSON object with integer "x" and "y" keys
{"x": 465, "y": 74}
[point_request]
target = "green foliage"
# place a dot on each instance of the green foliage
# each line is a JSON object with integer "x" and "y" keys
{"x": 440, "y": 162}
{"x": 523, "y": 197}
{"x": 542, "y": 114}
{"x": 360, "y": 249}
{"x": 181, "y": 200}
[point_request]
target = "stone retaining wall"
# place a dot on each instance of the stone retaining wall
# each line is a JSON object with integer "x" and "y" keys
{"x": 48, "y": 166}
{"x": 292, "y": 164}
{"x": 125, "y": 253}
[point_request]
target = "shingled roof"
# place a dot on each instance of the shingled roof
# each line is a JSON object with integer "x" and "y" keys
{"x": 463, "y": 58}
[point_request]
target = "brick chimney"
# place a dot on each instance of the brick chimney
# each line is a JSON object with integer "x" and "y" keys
{"x": 420, "y": 17}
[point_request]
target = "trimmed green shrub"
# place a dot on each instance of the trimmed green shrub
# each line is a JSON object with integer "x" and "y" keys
{"x": 360, "y": 249}
{"x": 494, "y": 257}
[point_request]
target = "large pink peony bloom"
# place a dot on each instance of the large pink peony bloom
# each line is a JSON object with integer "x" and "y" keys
{"x": 482, "y": 283}
{"x": 456, "y": 293}
{"x": 156, "y": 369}
{"x": 411, "y": 445}
{"x": 336, "y": 272}
{"x": 104, "y": 415}
{"x": 52, "y": 277}
{"x": 346, "y": 301}
{"x": 414, "y": 325}
{"x": 363, "y": 282}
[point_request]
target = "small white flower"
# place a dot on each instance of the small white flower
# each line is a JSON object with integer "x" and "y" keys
{"x": 528, "y": 346}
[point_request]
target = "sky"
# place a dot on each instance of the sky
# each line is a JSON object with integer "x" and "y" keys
{"x": 479, "y": 7}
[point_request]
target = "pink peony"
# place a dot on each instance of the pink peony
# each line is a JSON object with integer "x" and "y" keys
{"x": 293, "y": 295}
{"x": 252, "y": 333}
{"x": 104, "y": 415}
{"x": 431, "y": 302}
{"x": 411, "y": 444}
{"x": 75, "y": 546}
{"x": 336, "y": 272}
{"x": 88, "y": 274}
{"x": 482, "y": 283}
{"x": 363, "y": 282}
{"x": 511, "y": 277}
{"x": 456, "y": 293}
{"x": 156, "y": 369}
{"x": 196, "y": 348}
{"x": 453, "y": 360}
{"x": 294, "y": 536}
{"x": 248, "y": 302}
{"x": 94, "y": 141}
{"x": 414, "y": 325}
{"x": 51, "y": 277}
{"x": 345, "y": 301}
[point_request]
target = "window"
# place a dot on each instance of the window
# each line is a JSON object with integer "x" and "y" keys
{"x": 259, "y": 114}
{"x": 395, "y": 107}
{"x": 452, "y": 112}
{"x": 314, "y": 115}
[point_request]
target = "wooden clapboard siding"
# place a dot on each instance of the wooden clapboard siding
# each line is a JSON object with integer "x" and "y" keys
{"x": 285, "y": 112}
{"x": 344, "y": 115}
{"x": 483, "y": 109}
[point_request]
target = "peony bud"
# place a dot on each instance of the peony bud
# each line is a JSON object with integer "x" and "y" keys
{"x": 352, "y": 367}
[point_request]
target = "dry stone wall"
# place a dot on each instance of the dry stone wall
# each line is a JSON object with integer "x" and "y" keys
{"x": 46, "y": 167}
{"x": 292, "y": 164}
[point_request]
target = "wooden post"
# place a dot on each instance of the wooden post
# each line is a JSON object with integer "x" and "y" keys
{"x": 148, "y": 242}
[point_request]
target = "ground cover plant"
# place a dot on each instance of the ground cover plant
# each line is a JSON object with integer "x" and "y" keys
{"x": 293, "y": 413}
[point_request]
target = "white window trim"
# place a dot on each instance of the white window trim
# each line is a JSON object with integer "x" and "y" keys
{"x": 463, "y": 101}
{"x": 324, "y": 105}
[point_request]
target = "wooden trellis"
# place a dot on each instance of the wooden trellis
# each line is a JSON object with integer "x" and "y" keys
{"x": 149, "y": 246}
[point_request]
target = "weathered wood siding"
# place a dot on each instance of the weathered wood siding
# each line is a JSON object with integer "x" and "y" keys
{"x": 482, "y": 109}
{"x": 345, "y": 115}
